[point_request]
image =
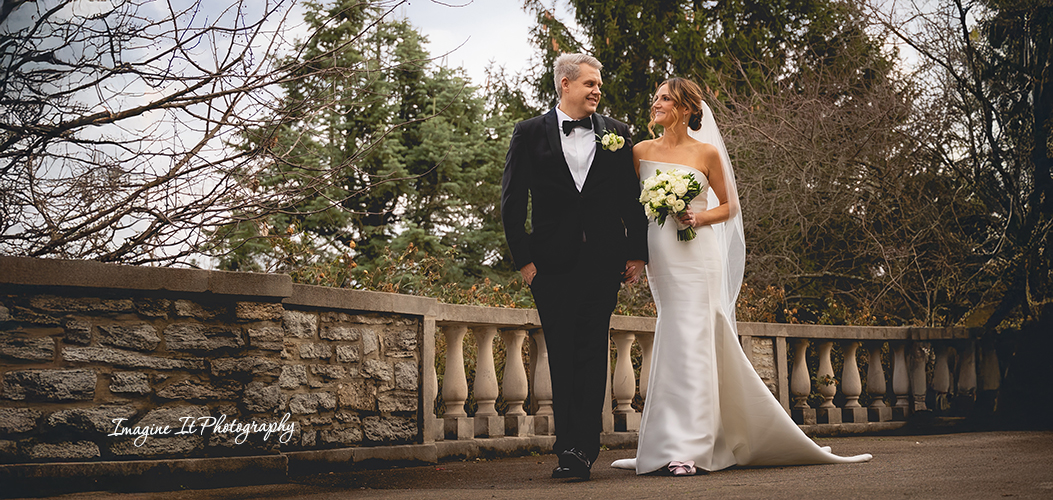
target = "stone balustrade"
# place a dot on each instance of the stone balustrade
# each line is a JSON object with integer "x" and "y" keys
{"x": 918, "y": 360}
{"x": 83, "y": 344}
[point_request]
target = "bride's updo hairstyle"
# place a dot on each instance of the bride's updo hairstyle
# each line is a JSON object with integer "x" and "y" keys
{"x": 685, "y": 93}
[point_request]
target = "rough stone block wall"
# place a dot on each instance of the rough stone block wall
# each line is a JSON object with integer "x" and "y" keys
{"x": 351, "y": 379}
{"x": 201, "y": 374}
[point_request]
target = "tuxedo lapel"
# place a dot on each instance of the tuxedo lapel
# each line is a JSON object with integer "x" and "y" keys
{"x": 599, "y": 126}
{"x": 552, "y": 130}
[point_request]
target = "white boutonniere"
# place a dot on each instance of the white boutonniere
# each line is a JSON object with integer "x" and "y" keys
{"x": 611, "y": 141}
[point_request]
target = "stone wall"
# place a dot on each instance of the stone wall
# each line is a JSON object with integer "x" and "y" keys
{"x": 203, "y": 363}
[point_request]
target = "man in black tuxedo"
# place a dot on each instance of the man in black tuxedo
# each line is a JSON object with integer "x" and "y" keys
{"x": 589, "y": 234}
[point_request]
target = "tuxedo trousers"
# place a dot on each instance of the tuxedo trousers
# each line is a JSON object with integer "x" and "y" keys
{"x": 575, "y": 310}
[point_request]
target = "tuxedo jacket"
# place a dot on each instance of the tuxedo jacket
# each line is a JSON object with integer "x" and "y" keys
{"x": 607, "y": 212}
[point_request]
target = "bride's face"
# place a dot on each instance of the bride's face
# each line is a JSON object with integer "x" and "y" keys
{"x": 663, "y": 106}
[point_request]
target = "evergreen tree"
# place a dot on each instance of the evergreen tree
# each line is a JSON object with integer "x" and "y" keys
{"x": 745, "y": 44}
{"x": 403, "y": 160}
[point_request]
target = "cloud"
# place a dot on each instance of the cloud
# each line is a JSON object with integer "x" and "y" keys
{"x": 475, "y": 34}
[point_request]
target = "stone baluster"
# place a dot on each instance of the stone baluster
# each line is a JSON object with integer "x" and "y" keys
{"x": 900, "y": 382}
{"x": 827, "y": 413}
{"x": 487, "y": 422}
{"x": 432, "y": 379}
{"x": 625, "y": 417}
{"x": 918, "y": 359}
{"x": 514, "y": 386}
{"x": 801, "y": 385}
{"x": 531, "y": 370}
{"x": 646, "y": 342}
{"x": 990, "y": 376}
{"x": 544, "y": 425}
{"x": 852, "y": 385}
{"x": 456, "y": 423}
{"x": 966, "y": 393}
{"x": 878, "y": 411}
{"x": 941, "y": 378}
{"x": 433, "y": 430}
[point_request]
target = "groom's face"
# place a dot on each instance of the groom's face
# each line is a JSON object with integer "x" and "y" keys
{"x": 581, "y": 96}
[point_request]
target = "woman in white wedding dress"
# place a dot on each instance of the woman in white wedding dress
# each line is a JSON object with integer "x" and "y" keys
{"x": 706, "y": 407}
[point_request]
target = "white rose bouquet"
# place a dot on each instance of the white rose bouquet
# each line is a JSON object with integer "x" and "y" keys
{"x": 668, "y": 193}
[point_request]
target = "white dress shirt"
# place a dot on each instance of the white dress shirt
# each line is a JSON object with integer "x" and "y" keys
{"x": 579, "y": 148}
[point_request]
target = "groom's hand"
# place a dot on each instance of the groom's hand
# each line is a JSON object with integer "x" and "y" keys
{"x": 528, "y": 271}
{"x": 633, "y": 268}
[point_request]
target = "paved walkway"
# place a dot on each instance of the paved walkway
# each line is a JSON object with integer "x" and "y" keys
{"x": 959, "y": 466}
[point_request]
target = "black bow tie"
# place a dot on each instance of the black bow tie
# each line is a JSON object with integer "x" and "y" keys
{"x": 571, "y": 124}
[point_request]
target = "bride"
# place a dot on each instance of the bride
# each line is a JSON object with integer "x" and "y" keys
{"x": 706, "y": 407}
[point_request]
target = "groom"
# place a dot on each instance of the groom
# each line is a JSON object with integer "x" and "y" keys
{"x": 589, "y": 234}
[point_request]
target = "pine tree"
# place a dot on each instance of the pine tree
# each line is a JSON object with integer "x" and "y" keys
{"x": 404, "y": 160}
{"x": 743, "y": 44}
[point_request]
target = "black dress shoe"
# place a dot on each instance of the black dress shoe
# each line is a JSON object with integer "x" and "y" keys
{"x": 561, "y": 472}
{"x": 572, "y": 463}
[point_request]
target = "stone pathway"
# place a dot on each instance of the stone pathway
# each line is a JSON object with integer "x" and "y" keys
{"x": 959, "y": 466}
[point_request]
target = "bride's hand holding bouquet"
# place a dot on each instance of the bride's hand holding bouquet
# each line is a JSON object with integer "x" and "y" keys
{"x": 668, "y": 193}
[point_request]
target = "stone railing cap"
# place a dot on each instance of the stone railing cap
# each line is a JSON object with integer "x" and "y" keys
{"x": 92, "y": 274}
{"x": 494, "y": 316}
{"x": 362, "y": 300}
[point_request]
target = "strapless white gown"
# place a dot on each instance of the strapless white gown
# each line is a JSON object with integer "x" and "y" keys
{"x": 705, "y": 402}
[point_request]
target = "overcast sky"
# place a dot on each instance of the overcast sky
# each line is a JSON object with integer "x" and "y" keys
{"x": 491, "y": 30}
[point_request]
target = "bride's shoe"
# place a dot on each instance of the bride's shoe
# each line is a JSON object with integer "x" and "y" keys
{"x": 682, "y": 468}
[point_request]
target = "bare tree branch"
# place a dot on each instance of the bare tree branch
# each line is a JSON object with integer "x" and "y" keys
{"x": 118, "y": 120}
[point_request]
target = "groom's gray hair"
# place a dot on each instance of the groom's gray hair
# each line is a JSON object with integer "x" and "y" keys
{"x": 569, "y": 66}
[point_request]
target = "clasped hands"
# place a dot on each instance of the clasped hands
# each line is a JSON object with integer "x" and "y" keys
{"x": 633, "y": 269}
